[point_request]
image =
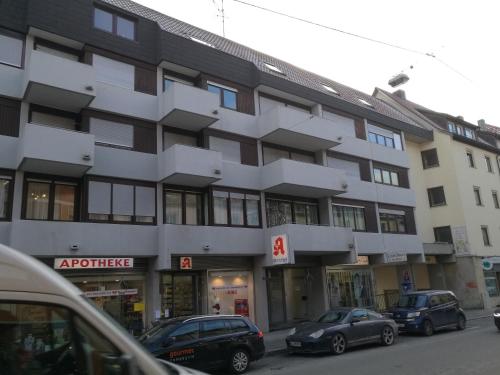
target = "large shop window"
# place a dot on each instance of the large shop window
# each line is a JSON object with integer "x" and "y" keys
{"x": 115, "y": 24}
{"x": 228, "y": 95}
{"x": 283, "y": 211}
{"x": 50, "y": 199}
{"x": 6, "y": 190}
{"x": 230, "y": 292}
{"x": 492, "y": 283}
{"x": 183, "y": 207}
{"x": 349, "y": 217}
{"x": 272, "y": 153}
{"x": 236, "y": 208}
{"x": 42, "y": 336}
{"x": 392, "y": 222}
{"x": 11, "y": 49}
{"x": 122, "y": 202}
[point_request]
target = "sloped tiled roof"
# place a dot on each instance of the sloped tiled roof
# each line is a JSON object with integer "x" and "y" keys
{"x": 291, "y": 72}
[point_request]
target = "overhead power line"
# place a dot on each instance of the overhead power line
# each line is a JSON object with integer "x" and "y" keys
{"x": 359, "y": 36}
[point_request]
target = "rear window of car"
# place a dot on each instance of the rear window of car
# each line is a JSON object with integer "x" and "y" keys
{"x": 238, "y": 325}
{"x": 214, "y": 327}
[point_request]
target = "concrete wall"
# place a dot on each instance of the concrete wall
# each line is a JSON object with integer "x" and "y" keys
{"x": 8, "y": 152}
{"x": 240, "y": 176}
{"x": 236, "y": 122}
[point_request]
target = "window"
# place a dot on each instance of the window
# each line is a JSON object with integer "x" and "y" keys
{"x": 114, "y": 23}
{"x": 359, "y": 314}
{"x": 383, "y": 176}
{"x": 6, "y": 190}
{"x": 121, "y": 201}
{"x": 469, "y": 133}
{"x": 284, "y": 211}
{"x": 52, "y": 117}
{"x": 114, "y": 72}
{"x": 477, "y": 196}
{"x": 436, "y": 196}
{"x": 272, "y": 153}
{"x": 489, "y": 167}
{"x": 238, "y": 325}
{"x": 11, "y": 49}
{"x": 112, "y": 133}
{"x": 486, "y": 236}
{"x": 187, "y": 332}
{"x": 393, "y": 141}
{"x": 273, "y": 68}
{"x": 492, "y": 283}
{"x": 392, "y": 223}
{"x": 236, "y": 208}
{"x": 349, "y": 217}
{"x": 227, "y": 95}
{"x": 351, "y": 168}
{"x": 171, "y": 138}
{"x": 494, "y": 195}
{"x": 443, "y": 234}
{"x": 211, "y": 328}
{"x": 430, "y": 158}
{"x": 183, "y": 207}
{"x": 231, "y": 150}
{"x": 55, "y": 49}
{"x": 170, "y": 77}
{"x": 451, "y": 127}
{"x": 470, "y": 159}
{"x": 49, "y": 199}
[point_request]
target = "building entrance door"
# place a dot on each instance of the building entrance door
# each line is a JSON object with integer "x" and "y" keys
{"x": 276, "y": 298}
{"x": 179, "y": 292}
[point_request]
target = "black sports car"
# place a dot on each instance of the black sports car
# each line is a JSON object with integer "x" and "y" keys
{"x": 341, "y": 328}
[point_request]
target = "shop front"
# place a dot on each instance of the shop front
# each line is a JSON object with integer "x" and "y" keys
{"x": 116, "y": 285}
{"x": 350, "y": 286}
{"x": 208, "y": 285}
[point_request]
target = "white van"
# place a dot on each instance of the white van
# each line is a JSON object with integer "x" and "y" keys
{"x": 47, "y": 326}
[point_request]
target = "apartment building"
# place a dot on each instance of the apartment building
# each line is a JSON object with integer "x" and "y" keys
{"x": 168, "y": 171}
{"x": 456, "y": 178}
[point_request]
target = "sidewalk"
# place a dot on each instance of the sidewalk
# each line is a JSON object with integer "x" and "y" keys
{"x": 275, "y": 340}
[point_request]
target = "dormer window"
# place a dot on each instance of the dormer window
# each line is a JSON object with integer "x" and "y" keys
{"x": 115, "y": 24}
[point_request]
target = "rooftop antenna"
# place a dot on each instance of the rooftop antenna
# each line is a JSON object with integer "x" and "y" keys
{"x": 221, "y": 14}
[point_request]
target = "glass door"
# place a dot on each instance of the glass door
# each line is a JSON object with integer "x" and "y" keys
{"x": 179, "y": 294}
{"x": 276, "y": 298}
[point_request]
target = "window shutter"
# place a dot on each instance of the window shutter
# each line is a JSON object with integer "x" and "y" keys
{"x": 230, "y": 149}
{"x": 99, "y": 201}
{"x": 114, "y": 72}
{"x": 11, "y": 50}
{"x": 145, "y": 201}
{"x": 359, "y": 128}
{"x": 123, "y": 199}
{"x": 113, "y": 133}
{"x": 248, "y": 153}
{"x": 351, "y": 168}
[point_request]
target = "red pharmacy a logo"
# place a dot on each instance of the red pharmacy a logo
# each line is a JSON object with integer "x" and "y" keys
{"x": 279, "y": 247}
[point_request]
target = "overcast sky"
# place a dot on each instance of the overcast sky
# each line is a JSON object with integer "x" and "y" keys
{"x": 463, "y": 34}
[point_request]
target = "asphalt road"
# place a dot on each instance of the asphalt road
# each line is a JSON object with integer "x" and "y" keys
{"x": 475, "y": 350}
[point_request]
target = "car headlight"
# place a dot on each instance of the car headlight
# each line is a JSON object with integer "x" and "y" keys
{"x": 292, "y": 331}
{"x": 496, "y": 315}
{"x": 413, "y": 314}
{"x": 317, "y": 334}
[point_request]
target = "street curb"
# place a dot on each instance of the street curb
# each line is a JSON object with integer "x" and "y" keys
{"x": 480, "y": 317}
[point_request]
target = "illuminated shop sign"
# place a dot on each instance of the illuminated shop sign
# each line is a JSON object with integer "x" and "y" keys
{"x": 92, "y": 263}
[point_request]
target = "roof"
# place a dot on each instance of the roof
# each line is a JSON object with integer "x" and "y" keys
{"x": 490, "y": 129}
{"x": 259, "y": 59}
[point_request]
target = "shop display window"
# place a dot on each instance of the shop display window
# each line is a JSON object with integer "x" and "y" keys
{"x": 230, "y": 292}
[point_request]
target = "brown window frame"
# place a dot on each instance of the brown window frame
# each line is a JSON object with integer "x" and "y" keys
{"x": 51, "y": 180}
{"x": 290, "y": 150}
{"x": 119, "y": 181}
{"x": 183, "y": 190}
{"x": 425, "y": 164}
{"x": 211, "y": 211}
{"x": 430, "y": 196}
{"x": 114, "y": 21}
{"x": 293, "y": 201}
{"x": 393, "y": 217}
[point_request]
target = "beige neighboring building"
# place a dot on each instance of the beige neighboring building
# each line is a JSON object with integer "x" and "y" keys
{"x": 456, "y": 178}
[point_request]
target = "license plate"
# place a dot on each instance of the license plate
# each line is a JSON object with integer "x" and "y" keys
{"x": 295, "y": 344}
{"x": 401, "y": 325}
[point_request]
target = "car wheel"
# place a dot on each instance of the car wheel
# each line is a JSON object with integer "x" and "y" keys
{"x": 387, "y": 336}
{"x": 428, "y": 328}
{"x": 461, "y": 322}
{"x": 339, "y": 344}
{"x": 240, "y": 361}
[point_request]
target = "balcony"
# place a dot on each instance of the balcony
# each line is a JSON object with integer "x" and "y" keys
{"x": 45, "y": 149}
{"x": 292, "y": 177}
{"x": 438, "y": 248}
{"x": 188, "y": 107}
{"x": 190, "y": 166}
{"x": 387, "y": 243}
{"x": 210, "y": 240}
{"x": 293, "y": 128}
{"x": 49, "y": 238}
{"x": 312, "y": 239}
{"x": 58, "y": 82}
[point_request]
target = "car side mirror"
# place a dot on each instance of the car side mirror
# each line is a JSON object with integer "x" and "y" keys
{"x": 122, "y": 365}
{"x": 168, "y": 341}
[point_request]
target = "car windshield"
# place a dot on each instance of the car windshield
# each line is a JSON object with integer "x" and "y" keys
{"x": 413, "y": 300}
{"x": 333, "y": 316}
